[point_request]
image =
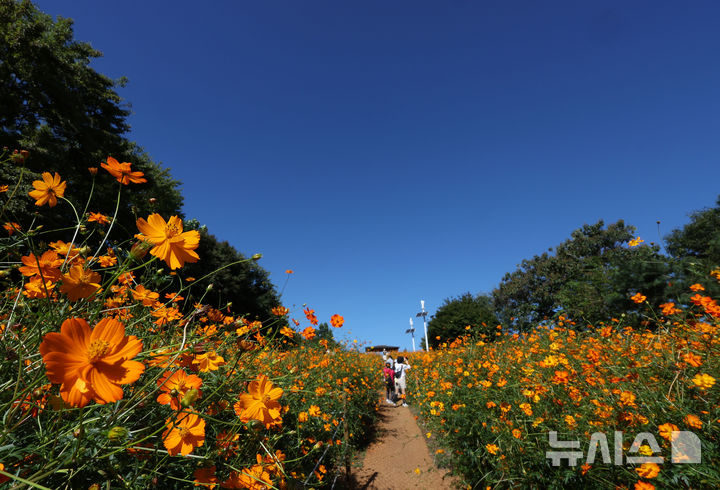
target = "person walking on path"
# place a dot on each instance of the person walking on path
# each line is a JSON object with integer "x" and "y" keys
{"x": 401, "y": 367}
{"x": 388, "y": 358}
{"x": 389, "y": 375}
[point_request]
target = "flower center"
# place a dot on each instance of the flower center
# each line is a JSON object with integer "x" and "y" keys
{"x": 85, "y": 279}
{"x": 172, "y": 230}
{"x": 266, "y": 399}
{"x": 98, "y": 349}
{"x": 184, "y": 432}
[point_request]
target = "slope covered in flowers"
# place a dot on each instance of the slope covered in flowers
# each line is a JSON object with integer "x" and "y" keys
{"x": 490, "y": 406}
{"x": 115, "y": 374}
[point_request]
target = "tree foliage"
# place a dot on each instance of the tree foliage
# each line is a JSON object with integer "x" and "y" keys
{"x": 236, "y": 280}
{"x": 455, "y": 314}
{"x": 695, "y": 249}
{"x": 69, "y": 117}
{"x": 589, "y": 278}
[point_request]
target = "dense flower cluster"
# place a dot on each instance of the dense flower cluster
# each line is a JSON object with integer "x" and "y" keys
{"x": 508, "y": 394}
{"x": 109, "y": 365}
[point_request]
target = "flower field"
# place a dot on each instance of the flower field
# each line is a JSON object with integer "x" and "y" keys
{"x": 111, "y": 378}
{"x": 115, "y": 374}
{"x": 489, "y": 406}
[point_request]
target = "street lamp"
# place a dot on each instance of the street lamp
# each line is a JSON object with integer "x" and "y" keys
{"x": 411, "y": 331}
{"x": 423, "y": 314}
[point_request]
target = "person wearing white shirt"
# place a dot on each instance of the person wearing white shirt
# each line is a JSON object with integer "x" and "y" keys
{"x": 401, "y": 367}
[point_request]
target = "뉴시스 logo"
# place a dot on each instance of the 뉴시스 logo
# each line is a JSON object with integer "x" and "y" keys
{"x": 685, "y": 448}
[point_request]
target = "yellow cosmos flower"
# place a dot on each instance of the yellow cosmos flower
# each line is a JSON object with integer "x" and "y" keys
{"x": 703, "y": 381}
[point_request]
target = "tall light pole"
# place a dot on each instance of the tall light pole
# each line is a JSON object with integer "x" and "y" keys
{"x": 423, "y": 314}
{"x": 411, "y": 331}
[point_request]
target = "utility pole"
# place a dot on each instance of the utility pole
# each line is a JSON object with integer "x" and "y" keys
{"x": 423, "y": 314}
{"x": 411, "y": 331}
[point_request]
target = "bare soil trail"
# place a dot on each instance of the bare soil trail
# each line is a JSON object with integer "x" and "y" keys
{"x": 398, "y": 458}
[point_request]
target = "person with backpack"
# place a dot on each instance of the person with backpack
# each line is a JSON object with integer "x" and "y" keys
{"x": 389, "y": 374}
{"x": 401, "y": 367}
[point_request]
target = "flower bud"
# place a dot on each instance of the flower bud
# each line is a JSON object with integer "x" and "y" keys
{"x": 117, "y": 434}
{"x": 190, "y": 397}
{"x": 17, "y": 157}
{"x": 257, "y": 257}
{"x": 139, "y": 250}
{"x": 93, "y": 171}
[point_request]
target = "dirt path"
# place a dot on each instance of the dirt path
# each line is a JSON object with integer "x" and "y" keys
{"x": 399, "y": 459}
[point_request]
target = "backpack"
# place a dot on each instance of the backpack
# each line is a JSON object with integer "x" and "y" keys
{"x": 398, "y": 373}
{"x": 389, "y": 381}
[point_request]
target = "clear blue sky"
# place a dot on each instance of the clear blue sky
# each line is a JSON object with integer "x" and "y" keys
{"x": 390, "y": 152}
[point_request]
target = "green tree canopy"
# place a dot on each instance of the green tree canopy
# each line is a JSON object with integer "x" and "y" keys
{"x": 450, "y": 320}
{"x": 239, "y": 281}
{"x": 695, "y": 249}
{"x": 69, "y": 117}
{"x": 589, "y": 278}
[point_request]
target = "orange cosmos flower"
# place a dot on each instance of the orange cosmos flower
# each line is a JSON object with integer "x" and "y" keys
{"x": 337, "y": 321}
{"x": 107, "y": 260}
{"x": 666, "y": 430}
{"x": 669, "y": 309}
{"x": 287, "y": 332}
{"x": 47, "y": 265}
{"x": 492, "y": 448}
{"x": 256, "y": 477}
{"x": 260, "y": 403}
{"x": 648, "y": 470}
{"x": 48, "y": 189}
{"x": 64, "y": 249}
{"x": 205, "y": 477}
{"x": 171, "y": 244}
{"x": 208, "y": 362}
{"x": 184, "y": 434}
{"x": 122, "y": 172}
{"x": 638, "y": 298}
{"x": 175, "y": 385}
{"x": 309, "y": 333}
{"x": 693, "y": 359}
{"x": 280, "y": 311}
{"x": 99, "y": 218}
{"x": 561, "y": 377}
{"x": 693, "y": 421}
{"x": 91, "y": 364}
{"x": 166, "y": 315}
{"x": 147, "y": 297}
{"x": 642, "y": 485}
{"x": 635, "y": 242}
{"x": 11, "y": 227}
{"x": 35, "y": 288}
{"x": 289, "y": 271}
{"x": 80, "y": 282}
{"x": 310, "y": 315}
